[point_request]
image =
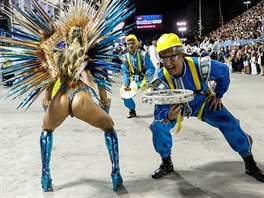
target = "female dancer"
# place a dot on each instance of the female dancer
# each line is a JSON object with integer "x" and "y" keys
{"x": 73, "y": 98}
{"x": 80, "y": 66}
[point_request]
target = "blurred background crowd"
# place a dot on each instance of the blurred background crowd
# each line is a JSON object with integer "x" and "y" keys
{"x": 239, "y": 42}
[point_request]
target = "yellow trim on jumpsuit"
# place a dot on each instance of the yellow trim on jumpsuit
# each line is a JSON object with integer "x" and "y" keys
{"x": 144, "y": 81}
{"x": 197, "y": 86}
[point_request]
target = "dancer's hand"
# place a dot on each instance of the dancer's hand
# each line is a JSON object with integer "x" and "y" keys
{"x": 127, "y": 88}
{"x": 45, "y": 101}
{"x": 174, "y": 111}
{"x": 148, "y": 85}
{"x": 45, "y": 104}
{"x": 216, "y": 104}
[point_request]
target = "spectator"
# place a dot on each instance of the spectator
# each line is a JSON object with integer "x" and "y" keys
{"x": 154, "y": 56}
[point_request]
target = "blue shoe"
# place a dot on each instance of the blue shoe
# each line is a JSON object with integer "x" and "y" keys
{"x": 117, "y": 181}
{"x": 46, "y": 184}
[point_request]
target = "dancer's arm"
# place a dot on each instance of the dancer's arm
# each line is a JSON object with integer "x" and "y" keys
{"x": 47, "y": 98}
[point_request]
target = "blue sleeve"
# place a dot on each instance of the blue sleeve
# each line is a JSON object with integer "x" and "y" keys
{"x": 125, "y": 74}
{"x": 150, "y": 68}
{"x": 220, "y": 74}
{"x": 161, "y": 112}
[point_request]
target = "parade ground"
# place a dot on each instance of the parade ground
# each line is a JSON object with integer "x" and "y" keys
{"x": 205, "y": 165}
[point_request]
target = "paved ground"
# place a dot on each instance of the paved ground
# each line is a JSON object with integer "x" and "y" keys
{"x": 205, "y": 166}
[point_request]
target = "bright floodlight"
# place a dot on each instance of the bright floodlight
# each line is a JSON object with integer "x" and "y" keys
{"x": 182, "y": 29}
{"x": 247, "y": 2}
{"x": 182, "y": 23}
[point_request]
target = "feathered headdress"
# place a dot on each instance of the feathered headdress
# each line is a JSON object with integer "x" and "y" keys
{"x": 31, "y": 50}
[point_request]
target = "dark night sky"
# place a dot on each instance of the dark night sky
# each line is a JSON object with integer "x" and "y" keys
{"x": 175, "y": 10}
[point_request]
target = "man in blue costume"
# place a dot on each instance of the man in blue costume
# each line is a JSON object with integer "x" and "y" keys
{"x": 137, "y": 67}
{"x": 182, "y": 72}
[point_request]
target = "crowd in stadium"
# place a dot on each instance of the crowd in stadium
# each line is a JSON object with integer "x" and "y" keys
{"x": 245, "y": 26}
{"x": 247, "y": 58}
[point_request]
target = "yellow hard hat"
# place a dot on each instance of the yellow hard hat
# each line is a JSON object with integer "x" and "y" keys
{"x": 167, "y": 41}
{"x": 131, "y": 37}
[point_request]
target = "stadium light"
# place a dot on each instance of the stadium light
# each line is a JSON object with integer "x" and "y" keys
{"x": 182, "y": 26}
{"x": 183, "y": 23}
{"x": 247, "y": 2}
{"x": 182, "y": 29}
{"x": 200, "y": 19}
{"x": 220, "y": 13}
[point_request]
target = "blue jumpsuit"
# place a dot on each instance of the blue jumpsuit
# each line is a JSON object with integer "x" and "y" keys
{"x": 147, "y": 69}
{"x": 221, "y": 119}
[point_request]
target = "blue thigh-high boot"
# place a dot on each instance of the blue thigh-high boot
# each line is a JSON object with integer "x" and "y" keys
{"x": 46, "y": 142}
{"x": 111, "y": 142}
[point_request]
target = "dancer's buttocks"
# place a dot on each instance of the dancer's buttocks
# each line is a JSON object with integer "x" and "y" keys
{"x": 77, "y": 102}
{"x": 60, "y": 106}
{"x": 84, "y": 108}
{"x": 73, "y": 92}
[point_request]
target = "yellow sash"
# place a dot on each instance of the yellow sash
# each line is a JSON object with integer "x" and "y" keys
{"x": 143, "y": 83}
{"x": 56, "y": 87}
{"x": 169, "y": 79}
{"x": 197, "y": 84}
{"x": 194, "y": 73}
